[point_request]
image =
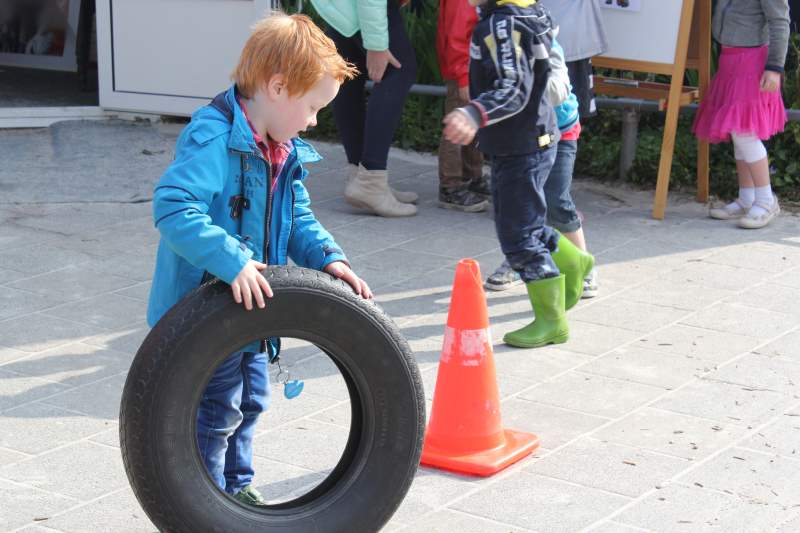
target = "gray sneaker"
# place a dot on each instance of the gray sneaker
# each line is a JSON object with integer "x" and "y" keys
{"x": 590, "y": 286}
{"x": 503, "y": 278}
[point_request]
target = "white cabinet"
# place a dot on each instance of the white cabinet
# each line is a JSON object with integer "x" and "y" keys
{"x": 170, "y": 56}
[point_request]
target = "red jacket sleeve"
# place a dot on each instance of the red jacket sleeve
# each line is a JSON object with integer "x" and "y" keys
{"x": 457, "y": 19}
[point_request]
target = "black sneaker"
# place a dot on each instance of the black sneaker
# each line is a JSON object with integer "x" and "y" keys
{"x": 462, "y": 200}
{"x": 481, "y": 187}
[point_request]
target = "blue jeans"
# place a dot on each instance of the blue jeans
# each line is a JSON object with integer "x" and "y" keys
{"x": 520, "y": 213}
{"x": 226, "y": 419}
{"x": 561, "y": 211}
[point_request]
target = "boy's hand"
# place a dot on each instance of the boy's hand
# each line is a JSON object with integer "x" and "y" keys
{"x": 459, "y": 129}
{"x": 463, "y": 94}
{"x": 377, "y": 61}
{"x": 770, "y": 81}
{"x": 249, "y": 284}
{"x": 340, "y": 270}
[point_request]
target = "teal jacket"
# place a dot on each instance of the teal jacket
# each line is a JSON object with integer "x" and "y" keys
{"x": 218, "y": 169}
{"x": 351, "y": 16}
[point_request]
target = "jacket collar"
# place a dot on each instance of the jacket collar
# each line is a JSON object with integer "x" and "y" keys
{"x": 241, "y": 137}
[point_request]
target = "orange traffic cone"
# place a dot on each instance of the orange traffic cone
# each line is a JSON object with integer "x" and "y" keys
{"x": 466, "y": 433}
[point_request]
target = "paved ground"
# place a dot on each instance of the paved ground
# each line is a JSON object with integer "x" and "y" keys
{"x": 674, "y": 407}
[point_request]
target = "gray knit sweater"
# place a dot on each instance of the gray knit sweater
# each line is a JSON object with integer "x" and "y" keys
{"x": 747, "y": 23}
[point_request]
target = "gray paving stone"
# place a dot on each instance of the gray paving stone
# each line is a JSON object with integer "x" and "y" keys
{"x": 125, "y": 340}
{"x": 760, "y": 256}
{"x": 72, "y": 283}
{"x": 626, "y": 314}
{"x": 416, "y": 298}
{"x": 541, "y": 503}
{"x": 431, "y": 490}
{"x": 769, "y": 296}
{"x": 116, "y": 513}
{"x": 688, "y": 296}
{"x": 615, "y": 277}
{"x": 282, "y": 411}
{"x": 72, "y": 364}
{"x": 670, "y": 433}
{"x": 16, "y": 302}
{"x": 592, "y": 394}
{"x": 110, "y": 311}
{"x": 554, "y": 426}
{"x": 10, "y": 456}
{"x": 454, "y": 245}
{"x": 751, "y": 476}
{"x": 652, "y": 252}
{"x": 742, "y": 320}
{"x": 280, "y": 482}
{"x": 616, "y": 527}
{"x": 790, "y": 278}
{"x": 659, "y": 369}
{"x": 447, "y": 521}
{"x": 140, "y": 291}
{"x": 110, "y": 437}
{"x": 610, "y": 467}
{"x": 787, "y": 347}
{"x": 36, "y": 428}
{"x": 338, "y": 415}
{"x": 37, "y": 332}
{"x": 136, "y": 266}
{"x": 699, "y": 343}
{"x": 321, "y": 377}
{"x": 594, "y": 339}
{"x": 761, "y": 372}
{"x": 99, "y": 400}
{"x": 10, "y": 354}
{"x": 781, "y": 436}
{"x": 64, "y": 471}
{"x": 535, "y": 365}
{"x": 23, "y": 505}
{"x": 726, "y": 402}
{"x": 308, "y": 444}
{"x": 16, "y": 389}
{"x": 35, "y": 260}
{"x": 692, "y": 509}
{"x": 392, "y": 266}
{"x": 731, "y": 278}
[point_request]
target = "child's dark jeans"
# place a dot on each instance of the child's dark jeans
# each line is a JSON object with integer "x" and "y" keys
{"x": 226, "y": 419}
{"x": 520, "y": 213}
{"x": 561, "y": 211}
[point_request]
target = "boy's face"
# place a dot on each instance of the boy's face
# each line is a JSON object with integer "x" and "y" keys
{"x": 294, "y": 114}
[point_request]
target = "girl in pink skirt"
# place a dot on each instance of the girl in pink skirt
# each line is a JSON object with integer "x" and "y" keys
{"x": 744, "y": 102}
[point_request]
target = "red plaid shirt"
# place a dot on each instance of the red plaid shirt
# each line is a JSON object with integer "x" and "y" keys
{"x": 274, "y": 152}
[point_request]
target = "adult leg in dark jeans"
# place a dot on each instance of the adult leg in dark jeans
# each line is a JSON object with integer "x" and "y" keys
{"x": 367, "y": 128}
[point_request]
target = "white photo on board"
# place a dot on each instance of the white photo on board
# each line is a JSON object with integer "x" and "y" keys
{"x": 625, "y": 5}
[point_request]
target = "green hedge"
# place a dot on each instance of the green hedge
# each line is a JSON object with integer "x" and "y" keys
{"x": 598, "y": 155}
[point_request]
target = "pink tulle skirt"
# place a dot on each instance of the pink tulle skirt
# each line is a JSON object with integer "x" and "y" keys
{"x": 735, "y": 102}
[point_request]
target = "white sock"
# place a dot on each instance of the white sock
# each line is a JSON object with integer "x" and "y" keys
{"x": 747, "y": 196}
{"x": 764, "y": 197}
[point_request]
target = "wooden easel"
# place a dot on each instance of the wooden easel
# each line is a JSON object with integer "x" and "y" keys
{"x": 692, "y": 51}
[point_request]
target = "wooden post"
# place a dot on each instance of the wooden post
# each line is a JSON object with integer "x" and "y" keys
{"x": 703, "y": 17}
{"x": 673, "y": 110}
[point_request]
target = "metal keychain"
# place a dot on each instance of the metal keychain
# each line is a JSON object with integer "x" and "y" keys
{"x": 291, "y": 388}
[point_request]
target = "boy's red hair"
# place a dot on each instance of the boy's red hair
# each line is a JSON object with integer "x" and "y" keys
{"x": 292, "y": 46}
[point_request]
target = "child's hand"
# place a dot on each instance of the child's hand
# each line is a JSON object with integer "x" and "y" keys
{"x": 770, "y": 81}
{"x": 463, "y": 94}
{"x": 250, "y": 283}
{"x": 340, "y": 270}
{"x": 459, "y": 129}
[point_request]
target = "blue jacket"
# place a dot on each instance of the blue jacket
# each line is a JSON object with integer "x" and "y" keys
{"x": 559, "y": 85}
{"x": 216, "y": 163}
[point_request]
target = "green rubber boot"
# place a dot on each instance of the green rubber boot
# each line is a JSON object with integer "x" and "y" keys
{"x": 550, "y": 326}
{"x": 575, "y": 264}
